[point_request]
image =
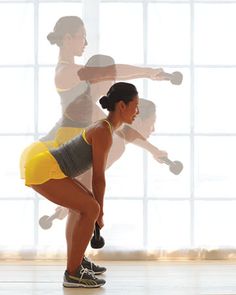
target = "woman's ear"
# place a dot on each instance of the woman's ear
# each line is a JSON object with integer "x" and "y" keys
{"x": 67, "y": 37}
{"x": 122, "y": 105}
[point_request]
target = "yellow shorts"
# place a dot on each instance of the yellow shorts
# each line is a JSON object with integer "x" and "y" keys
{"x": 42, "y": 168}
{"x": 63, "y": 135}
{"x": 31, "y": 151}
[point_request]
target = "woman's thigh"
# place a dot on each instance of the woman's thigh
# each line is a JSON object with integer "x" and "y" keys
{"x": 67, "y": 193}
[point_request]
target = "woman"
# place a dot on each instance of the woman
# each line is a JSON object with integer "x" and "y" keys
{"x": 52, "y": 173}
{"x": 138, "y": 134}
{"x": 73, "y": 83}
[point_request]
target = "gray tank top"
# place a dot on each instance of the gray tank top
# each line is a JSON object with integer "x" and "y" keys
{"x": 76, "y": 100}
{"x": 74, "y": 157}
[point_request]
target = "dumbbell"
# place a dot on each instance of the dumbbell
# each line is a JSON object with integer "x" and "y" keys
{"x": 97, "y": 240}
{"x": 46, "y": 221}
{"x": 175, "y": 78}
{"x": 175, "y": 166}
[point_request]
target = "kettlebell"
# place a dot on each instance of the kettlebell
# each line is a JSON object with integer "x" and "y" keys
{"x": 97, "y": 240}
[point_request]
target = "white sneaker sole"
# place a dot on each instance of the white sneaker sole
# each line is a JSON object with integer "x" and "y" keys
{"x": 77, "y": 285}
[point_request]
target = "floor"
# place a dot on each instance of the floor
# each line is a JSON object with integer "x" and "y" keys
{"x": 123, "y": 278}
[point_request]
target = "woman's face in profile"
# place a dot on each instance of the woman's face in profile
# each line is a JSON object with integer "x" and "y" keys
{"x": 145, "y": 126}
{"x": 79, "y": 42}
{"x": 148, "y": 126}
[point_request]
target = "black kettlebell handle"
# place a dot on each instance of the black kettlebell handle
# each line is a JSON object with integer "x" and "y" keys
{"x": 97, "y": 231}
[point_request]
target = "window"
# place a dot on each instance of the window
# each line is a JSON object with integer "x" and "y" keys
{"x": 195, "y": 121}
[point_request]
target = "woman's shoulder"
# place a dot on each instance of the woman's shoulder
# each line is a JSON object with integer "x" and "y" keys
{"x": 100, "y": 132}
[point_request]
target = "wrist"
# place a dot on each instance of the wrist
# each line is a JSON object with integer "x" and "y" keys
{"x": 155, "y": 151}
{"x": 149, "y": 73}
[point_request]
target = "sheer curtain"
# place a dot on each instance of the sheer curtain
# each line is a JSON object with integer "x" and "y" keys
{"x": 149, "y": 212}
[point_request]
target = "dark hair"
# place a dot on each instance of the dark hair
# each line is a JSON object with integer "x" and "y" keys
{"x": 118, "y": 91}
{"x": 65, "y": 24}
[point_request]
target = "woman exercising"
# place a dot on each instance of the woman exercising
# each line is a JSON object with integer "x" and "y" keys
{"x": 73, "y": 83}
{"x": 52, "y": 174}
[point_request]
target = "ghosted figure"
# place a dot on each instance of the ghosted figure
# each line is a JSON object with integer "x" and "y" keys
{"x": 73, "y": 83}
{"x": 79, "y": 88}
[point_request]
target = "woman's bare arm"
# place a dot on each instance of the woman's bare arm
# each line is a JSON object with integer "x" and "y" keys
{"x": 101, "y": 143}
{"x": 118, "y": 72}
{"x": 69, "y": 75}
{"x": 133, "y": 136}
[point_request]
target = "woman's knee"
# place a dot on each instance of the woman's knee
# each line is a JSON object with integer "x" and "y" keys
{"x": 73, "y": 214}
{"x": 93, "y": 210}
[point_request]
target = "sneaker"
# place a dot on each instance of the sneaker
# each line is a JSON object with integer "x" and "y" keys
{"x": 83, "y": 278}
{"x": 98, "y": 270}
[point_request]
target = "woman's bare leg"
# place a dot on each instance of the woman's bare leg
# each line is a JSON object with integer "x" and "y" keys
{"x": 73, "y": 217}
{"x": 68, "y": 193}
{"x": 71, "y": 228}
